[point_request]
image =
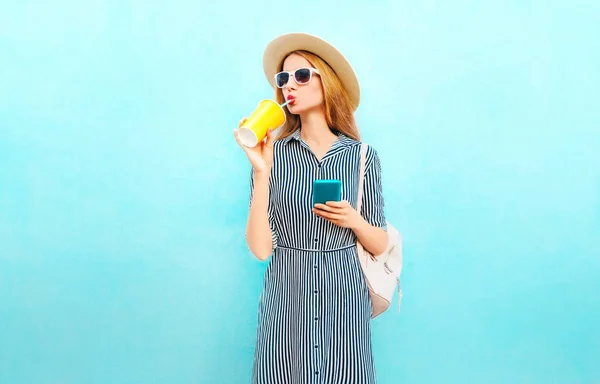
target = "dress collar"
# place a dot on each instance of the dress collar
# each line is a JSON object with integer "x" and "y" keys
{"x": 342, "y": 141}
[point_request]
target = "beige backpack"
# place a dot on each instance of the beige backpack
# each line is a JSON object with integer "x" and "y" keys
{"x": 382, "y": 272}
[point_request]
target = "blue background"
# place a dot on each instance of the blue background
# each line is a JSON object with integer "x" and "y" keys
{"x": 123, "y": 195}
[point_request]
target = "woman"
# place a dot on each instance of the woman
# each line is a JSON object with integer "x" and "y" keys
{"x": 314, "y": 311}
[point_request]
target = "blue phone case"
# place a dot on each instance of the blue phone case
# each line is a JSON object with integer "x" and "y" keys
{"x": 326, "y": 190}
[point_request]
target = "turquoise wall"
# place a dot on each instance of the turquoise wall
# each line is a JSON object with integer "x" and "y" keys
{"x": 123, "y": 195}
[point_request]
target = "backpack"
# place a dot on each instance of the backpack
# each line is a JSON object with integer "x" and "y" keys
{"x": 381, "y": 272}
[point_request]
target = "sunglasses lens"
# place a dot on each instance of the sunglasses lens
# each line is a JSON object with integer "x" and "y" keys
{"x": 282, "y": 79}
{"x": 302, "y": 75}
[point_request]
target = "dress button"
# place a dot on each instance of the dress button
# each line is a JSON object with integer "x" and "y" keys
{"x": 315, "y": 291}
{"x": 316, "y": 240}
{"x": 316, "y": 346}
{"x": 316, "y": 318}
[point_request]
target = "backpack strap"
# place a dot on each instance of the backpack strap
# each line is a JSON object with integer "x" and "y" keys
{"x": 361, "y": 175}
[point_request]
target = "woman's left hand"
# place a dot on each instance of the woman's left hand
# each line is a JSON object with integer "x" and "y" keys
{"x": 339, "y": 213}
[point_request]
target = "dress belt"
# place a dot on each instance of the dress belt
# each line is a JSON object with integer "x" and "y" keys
{"x": 316, "y": 250}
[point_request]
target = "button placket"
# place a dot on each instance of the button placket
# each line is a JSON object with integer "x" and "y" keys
{"x": 316, "y": 303}
{"x": 316, "y": 289}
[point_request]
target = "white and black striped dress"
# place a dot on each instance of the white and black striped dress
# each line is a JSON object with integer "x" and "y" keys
{"x": 314, "y": 311}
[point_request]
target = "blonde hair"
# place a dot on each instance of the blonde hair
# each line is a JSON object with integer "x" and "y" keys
{"x": 339, "y": 114}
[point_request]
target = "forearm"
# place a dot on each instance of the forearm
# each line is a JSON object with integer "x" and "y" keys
{"x": 373, "y": 239}
{"x": 258, "y": 230}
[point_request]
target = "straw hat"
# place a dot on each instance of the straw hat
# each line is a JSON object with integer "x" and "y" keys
{"x": 281, "y": 46}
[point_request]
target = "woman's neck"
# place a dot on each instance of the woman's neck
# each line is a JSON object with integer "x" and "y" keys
{"x": 315, "y": 131}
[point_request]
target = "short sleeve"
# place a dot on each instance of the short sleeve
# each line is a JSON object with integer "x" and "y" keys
{"x": 372, "y": 208}
{"x": 274, "y": 236}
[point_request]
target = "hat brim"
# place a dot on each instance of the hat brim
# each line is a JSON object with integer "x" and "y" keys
{"x": 282, "y": 45}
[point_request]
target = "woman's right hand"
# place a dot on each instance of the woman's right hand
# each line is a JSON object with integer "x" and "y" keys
{"x": 261, "y": 155}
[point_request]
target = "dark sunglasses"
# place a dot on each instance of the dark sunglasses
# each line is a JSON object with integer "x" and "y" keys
{"x": 301, "y": 76}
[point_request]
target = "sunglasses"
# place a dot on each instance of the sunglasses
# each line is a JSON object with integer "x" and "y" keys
{"x": 301, "y": 76}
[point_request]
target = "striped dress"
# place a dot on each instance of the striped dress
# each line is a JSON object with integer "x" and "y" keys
{"x": 314, "y": 310}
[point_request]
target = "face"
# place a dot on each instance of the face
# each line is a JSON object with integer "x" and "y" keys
{"x": 308, "y": 96}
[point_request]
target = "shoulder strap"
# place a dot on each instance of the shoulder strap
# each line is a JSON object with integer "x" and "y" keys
{"x": 361, "y": 177}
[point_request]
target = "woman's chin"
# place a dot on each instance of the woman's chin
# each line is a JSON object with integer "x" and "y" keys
{"x": 299, "y": 109}
{"x": 294, "y": 110}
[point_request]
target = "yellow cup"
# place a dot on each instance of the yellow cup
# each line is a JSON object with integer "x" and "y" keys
{"x": 267, "y": 115}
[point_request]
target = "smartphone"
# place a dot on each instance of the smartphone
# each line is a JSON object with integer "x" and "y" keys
{"x": 326, "y": 190}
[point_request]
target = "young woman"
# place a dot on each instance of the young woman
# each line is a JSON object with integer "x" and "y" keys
{"x": 314, "y": 311}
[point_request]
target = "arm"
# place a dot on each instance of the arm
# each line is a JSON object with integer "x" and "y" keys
{"x": 261, "y": 238}
{"x": 371, "y": 229}
{"x": 374, "y": 239}
{"x": 369, "y": 225}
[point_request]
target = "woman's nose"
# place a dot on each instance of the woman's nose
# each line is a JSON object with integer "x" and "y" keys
{"x": 290, "y": 85}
